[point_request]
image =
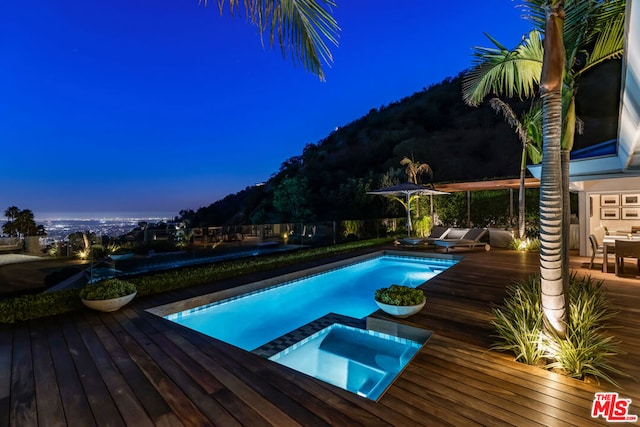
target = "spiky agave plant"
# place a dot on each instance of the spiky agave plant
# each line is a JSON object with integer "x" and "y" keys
{"x": 586, "y": 350}
{"x": 519, "y": 322}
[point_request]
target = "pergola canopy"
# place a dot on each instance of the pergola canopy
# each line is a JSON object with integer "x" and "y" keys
{"x": 495, "y": 184}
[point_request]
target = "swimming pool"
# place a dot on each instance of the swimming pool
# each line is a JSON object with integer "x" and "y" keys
{"x": 253, "y": 319}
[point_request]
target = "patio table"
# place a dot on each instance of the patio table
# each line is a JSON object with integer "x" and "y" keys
{"x": 609, "y": 242}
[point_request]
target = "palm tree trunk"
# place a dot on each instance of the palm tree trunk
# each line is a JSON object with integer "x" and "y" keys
{"x": 521, "y": 200}
{"x": 551, "y": 219}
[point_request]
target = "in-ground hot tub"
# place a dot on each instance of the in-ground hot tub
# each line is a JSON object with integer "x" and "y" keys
{"x": 362, "y": 361}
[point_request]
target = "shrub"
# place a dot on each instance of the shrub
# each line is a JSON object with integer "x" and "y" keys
{"x": 422, "y": 226}
{"x": 400, "y": 295}
{"x": 27, "y": 307}
{"x": 586, "y": 350}
{"x": 198, "y": 275}
{"x": 107, "y": 289}
{"x": 50, "y": 303}
{"x": 525, "y": 245}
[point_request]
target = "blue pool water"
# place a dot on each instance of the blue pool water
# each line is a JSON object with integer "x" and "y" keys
{"x": 364, "y": 362}
{"x": 252, "y": 320}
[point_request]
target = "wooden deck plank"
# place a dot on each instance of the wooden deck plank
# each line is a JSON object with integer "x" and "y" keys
{"x": 401, "y": 401}
{"x": 154, "y": 405}
{"x": 474, "y": 401}
{"x": 493, "y": 391}
{"x": 182, "y": 406}
{"x": 123, "y": 396}
{"x": 6, "y": 366}
{"x": 48, "y": 401}
{"x": 102, "y": 405}
{"x": 246, "y": 375}
{"x": 241, "y": 389}
{"x": 208, "y": 383}
{"x": 23, "y": 410}
{"x": 166, "y": 375}
{"x": 74, "y": 400}
{"x": 519, "y": 374}
{"x": 439, "y": 406}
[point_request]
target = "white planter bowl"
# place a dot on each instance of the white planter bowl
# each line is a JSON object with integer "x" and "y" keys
{"x": 401, "y": 311}
{"x": 112, "y": 304}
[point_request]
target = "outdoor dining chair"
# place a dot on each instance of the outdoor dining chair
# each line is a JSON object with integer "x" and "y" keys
{"x": 626, "y": 249}
{"x": 596, "y": 249}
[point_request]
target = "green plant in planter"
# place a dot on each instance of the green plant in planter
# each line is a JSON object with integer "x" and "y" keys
{"x": 400, "y": 295}
{"x": 107, "y": 289}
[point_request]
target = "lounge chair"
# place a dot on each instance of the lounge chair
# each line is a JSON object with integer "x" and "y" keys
{"x": 464, "y": 237}
{"x": 436, "y": 233}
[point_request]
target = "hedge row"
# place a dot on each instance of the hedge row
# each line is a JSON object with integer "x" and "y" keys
{"x": 27, "y": 307}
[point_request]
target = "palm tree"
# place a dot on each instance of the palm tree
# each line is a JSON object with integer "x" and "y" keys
{"x": 25, "y": 223}
{"x": 301, "y": 26}
{"x": 593, "y": 31}
{"x": 413, "y": 171}
{"x": 12, "y": 212}
{"x": 528, "y": 131}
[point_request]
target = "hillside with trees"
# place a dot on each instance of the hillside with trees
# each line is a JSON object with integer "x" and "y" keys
{"x": 329, "y": 179}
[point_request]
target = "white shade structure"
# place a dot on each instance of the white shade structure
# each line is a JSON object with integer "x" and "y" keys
{"x": 407, "y": 189}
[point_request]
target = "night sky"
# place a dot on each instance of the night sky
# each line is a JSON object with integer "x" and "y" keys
{"x": 145, "y": 107}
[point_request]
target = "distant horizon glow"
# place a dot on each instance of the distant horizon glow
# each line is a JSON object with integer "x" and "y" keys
{"x": 159, "y": 107}
{"x": 94, "y": 216}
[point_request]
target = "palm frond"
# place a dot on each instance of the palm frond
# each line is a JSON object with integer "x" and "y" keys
{"x": 577, "y": 23}
{"x": 424, "y": 168}
{"x": 533, "y": 11}
{"x": 510, "y": 73}
{"x": 303, "y": 27}
{"x": 406, "y": 161}
{"x": 608, "y": 45}
{"x": 499, "y": 106}
{"x": 587, "y": 23}
{"x": 535, "y": 153}
{"x": 608, "y": 11}
{"x": 532, "y": 121}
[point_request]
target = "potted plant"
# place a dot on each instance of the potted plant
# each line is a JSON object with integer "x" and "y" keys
{"x": 108, "y": 295}
{"x": 400, "y": 301}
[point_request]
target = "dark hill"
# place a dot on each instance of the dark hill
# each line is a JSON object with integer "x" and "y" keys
{"x": 434, "y": 126}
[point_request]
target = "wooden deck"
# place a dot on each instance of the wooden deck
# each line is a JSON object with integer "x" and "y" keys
{"x": 133, "y": 368}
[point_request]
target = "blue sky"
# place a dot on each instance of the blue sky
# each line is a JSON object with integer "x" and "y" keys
{"x": 148, "y": 106}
